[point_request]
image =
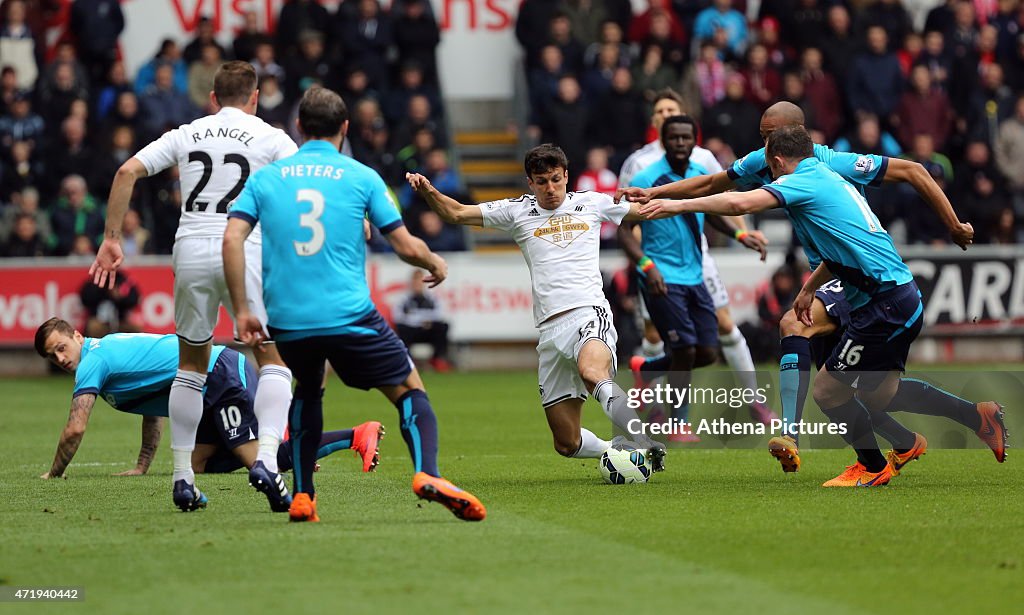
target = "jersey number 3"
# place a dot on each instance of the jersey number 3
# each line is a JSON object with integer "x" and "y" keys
{"x": 222, "y": 205}
{"x": 311, "y": 221}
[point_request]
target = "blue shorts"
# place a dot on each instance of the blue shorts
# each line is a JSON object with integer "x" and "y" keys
{"x": 366, "y": 354}
{"x": 684, "y": 316}
{"x": 228, "y": 416}
{"x": 838, "y": 308}
{"x": 878, "y": 339}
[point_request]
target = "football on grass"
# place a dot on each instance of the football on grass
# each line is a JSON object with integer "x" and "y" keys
{"x": 623, "y": 466}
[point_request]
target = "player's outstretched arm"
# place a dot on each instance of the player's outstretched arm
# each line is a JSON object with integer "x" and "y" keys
{"x": 751, "y": 240}
{"x": 727, "y": 204}
{"x": 109, "y": 256}
{"x": 71, "y": 437}
{"x": 900, "y": 170}
{"x": 450, "y": 210}
{"x": 415, "y": 252}
{"x": 689, "y": 188}
{"x": 152, "y": 429}
{"x": 250, "y": 331}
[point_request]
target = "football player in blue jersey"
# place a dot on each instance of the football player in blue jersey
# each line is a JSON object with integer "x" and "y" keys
{"x": 312, "y": 206}
{"x": 670, "y": 263}
{"x": 843, "y": 239}
{"x": 133, "y": 372}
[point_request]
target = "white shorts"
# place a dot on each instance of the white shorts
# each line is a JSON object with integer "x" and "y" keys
{"x": 712, "y": 279}
{"x": 561, "y": 339}
{"x": 200, "y": 288}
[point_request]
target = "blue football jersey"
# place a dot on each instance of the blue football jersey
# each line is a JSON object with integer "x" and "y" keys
{"x": 311, "y": 208}
{"x": 673, "y": 243}
{"x": 836, "y": 226}
{"x": 752, "y": 170}
{"x": 133, "y": 372}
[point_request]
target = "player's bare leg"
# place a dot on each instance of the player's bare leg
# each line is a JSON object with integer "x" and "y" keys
{"x": 185, "y": 410}
{"x": 419, "y": 430}
{"x": 571, "y": 439}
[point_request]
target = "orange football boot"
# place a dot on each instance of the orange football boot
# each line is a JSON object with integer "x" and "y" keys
{"x": 365, "y": 442}
{"x": 858, "y": 476}
{"x": 463, "y": 504}
{"x": 303, "y": 508}
{"x": 785, "y": 450}
{"x": 993, "y": 430}
{"x": 898, "y": 460}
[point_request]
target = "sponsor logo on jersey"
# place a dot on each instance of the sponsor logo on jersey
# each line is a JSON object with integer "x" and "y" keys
{"x": 561, "y": 230}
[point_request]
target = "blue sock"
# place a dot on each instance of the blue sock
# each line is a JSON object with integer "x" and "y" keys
{"x": 306, "y": 424}
{"x": 794, "y": 378}
{"x": 330, "y": 442}
{"x": 419, "y": 430}
{"x": 919, "y": 397}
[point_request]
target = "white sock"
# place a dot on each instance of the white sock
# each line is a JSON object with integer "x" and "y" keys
{"x": 185, "y": 409}
{"x": 591, "y": 447}
{"x": 737, "y": 355}
{"x": 615, "y": 404}
{"x": 273, "y": 397}
{"x": 650, "y": 349}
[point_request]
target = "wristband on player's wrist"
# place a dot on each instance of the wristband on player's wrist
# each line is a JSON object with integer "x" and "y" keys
{"x": 740, "y": 234}
{"x": 645, "y": 264}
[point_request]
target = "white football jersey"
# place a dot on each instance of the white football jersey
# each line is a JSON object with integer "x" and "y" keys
{"x": 653, "y": 151}
{"x": 215, "y": 155}
{"x": 561, "y": 246}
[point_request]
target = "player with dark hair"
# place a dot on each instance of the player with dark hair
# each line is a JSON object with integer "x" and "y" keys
{"x": 215, "y": 155}
{"x": 133, "y": 373}
{"x": 669, "y": 260}
{"x": 313, "y": 205}
{"x": 558, "y": 233}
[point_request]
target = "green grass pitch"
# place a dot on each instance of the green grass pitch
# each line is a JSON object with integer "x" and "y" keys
{"x": 723, "y": 530}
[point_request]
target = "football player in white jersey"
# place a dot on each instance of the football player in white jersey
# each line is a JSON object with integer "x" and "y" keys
{"x": 215, "y": 155}
{"x": 668, "y": 103}
{"x": 559, "y": 235}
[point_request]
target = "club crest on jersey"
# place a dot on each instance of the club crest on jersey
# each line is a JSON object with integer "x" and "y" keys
{"x": 561, "y": 230}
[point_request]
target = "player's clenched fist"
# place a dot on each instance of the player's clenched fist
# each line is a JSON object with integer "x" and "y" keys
{"x": 250, "y": 331}
{"x": 633, "y": 195}
{"x": 962, "y": 234}
{"x": 417, "y": 181}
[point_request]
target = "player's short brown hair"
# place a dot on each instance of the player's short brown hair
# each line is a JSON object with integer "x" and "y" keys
{"x": 790, "y": 142}
{"x": 544, "y": 159}
{"x": 321, "y": 113}
{"x": 43, "y": 333}
{"x": 667, "y": 94}
{"x": 234, "y": 82}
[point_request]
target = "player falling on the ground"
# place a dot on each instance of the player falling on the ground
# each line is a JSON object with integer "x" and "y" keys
{"x": 215, "y": 155}
{"x": 668, "y": 103}
{"x": 669, "y": 262}
{"x": 133, "y": 373}
{"x": 313, "y": 205}
{"x": 829, "y": 317}
{"x": 558, "y": 235}
{"x": 751, "y": 171}
{"x": 842, "y": 238}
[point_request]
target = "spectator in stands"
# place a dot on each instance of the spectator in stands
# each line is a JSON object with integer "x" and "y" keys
{"x": 419, "y": 115}
{"x": 18, "y": 45}
{"x": 942, "y": 18}
{"x": 990, "y": 104}
{"x": 264, "y": 60}
{"x": 106, "y": 95}
{"x": 24, "y": 170}
{"x": 25, "y": 202}
{"x": 133, "y": 236}
{"x": 793, "y": 91}
{"x": 774, "y": 298}
{"x": 597, "y": 177}
{"x": 923, "y": 109}
{"x": 910, "y": 53}
{"x": 108, "y": 310}
{"x": 721, "y": 16}
{"x": 125, "y": 112}
{"x": 735, "y": 120}
{"x": 272, "y": 107}
{"x": 244, "y": 45}
{"x": 296, "y": 17}
{"x": 804, "y": 26}
{"x": 979, "y": 190}
{"x": 652, "y": 74}
{"x": 309, "y": 66}
{"x": 627, "y": 132}
{"x": 76, "y": 213}
{"x": 440, "y": 236}
{"x": 410, "y": 157}
{"x": 70, "y": 155}
{"x": 1009, "y": 151}
{"x": 868, "y": 138}
{"x": 937, "y": 59}
{"x": 822, "y": 93}
{"x": 764, "y": 85}
{"x": 169, "y": 53}
{"x": 25, "y": 241}
{"x": 205, "y": 35}
{"x": 565, "y": 121}
{"x": 417, "y": 36}
{"x": 82, "y": 247}
{"x": 374, "y": 151}
{"x": 411, "y": 82}
{"x": 22, "y": 124}
{"x": 98, "y": 24}
{"x": 673, "y": 52}
{"x": 357, "y": 88}
{"x": 119, "y": 145}
{"x": 640, "y": 27}
{"x": 597, "y": 79}
{"x": 839, "y": 45}
{"x": 367, "y": 40}
{"x": 560, "y": 35}
{"x": 200, "y": 76}
{"x": 611, "y": 34}
{"x": 161, "y": 199}
{"x": 8, "y": 88}
{"x": 888, "y": 15}
{"x": 585, "y": 18}
{"x": 58, "y": 90}
{"x": 1013, "y": 66}
{"x": 1007, "y": 23}
{"x": 162, "y": 106}
{"x": 533, "y": 19}
{"x": 922, "y": 224}
{"x": 875, "y": 81}
{"x": 709, "y": 74}
{"x": 419, "y": 321}
{"x": 543, "y": 81}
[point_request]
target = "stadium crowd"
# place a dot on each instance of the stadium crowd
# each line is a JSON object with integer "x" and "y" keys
{"x": 938, "y": 82}
{"x": 71, "y": 114}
